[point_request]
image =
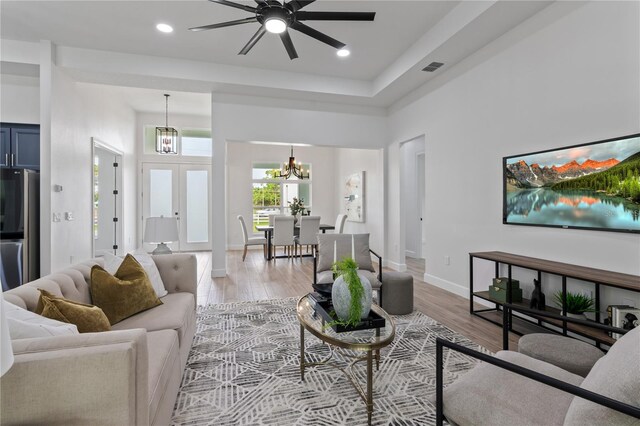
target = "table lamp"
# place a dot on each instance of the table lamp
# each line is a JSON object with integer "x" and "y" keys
{"x": 161, "y": 230}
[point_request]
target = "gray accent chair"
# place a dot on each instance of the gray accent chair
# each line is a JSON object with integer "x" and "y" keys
{"x": 511, "y": 388}
{"x": 339, "y": 246}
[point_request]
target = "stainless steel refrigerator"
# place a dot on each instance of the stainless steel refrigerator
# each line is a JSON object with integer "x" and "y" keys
{"x": 19, "y": 227}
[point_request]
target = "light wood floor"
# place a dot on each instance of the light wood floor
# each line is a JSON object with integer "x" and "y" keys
{"x": 257, "y": 279}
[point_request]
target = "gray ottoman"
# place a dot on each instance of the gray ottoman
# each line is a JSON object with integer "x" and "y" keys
{"x": 569, "y": 354}
{"x": 397, "y": 293}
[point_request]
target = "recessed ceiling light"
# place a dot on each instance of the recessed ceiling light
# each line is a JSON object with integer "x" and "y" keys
{"x": 275, "y": 25}
{"x": 165, "y": 28}
{"x": 343, "y": 53}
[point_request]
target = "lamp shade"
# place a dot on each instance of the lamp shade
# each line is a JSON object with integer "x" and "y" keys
{"x": 161, "y": 230}
{"x": 6, "y": 351}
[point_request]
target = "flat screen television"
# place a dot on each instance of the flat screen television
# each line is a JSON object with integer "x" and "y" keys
{"x": 590, "y": 186}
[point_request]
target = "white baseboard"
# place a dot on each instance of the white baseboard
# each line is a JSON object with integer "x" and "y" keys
{"x": 447, "y": 285}
{"x": 454, "y": 288}
{"x": 218, "y": 273}
{"x": 400, "y": 267}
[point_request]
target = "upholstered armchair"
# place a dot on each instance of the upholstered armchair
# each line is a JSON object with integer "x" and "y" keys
{"x": 512, "y": 388}
{"x": 333, "y": 247}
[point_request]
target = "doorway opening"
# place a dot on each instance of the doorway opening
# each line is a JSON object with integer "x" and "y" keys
{"x": 412, "y": 187}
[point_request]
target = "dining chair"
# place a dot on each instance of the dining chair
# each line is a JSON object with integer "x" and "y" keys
{"x": 271, "y": 216}
{"x": 340, "y": 223}
{"x": 309, "y": 229}
{"x": 253, "y": 241}
{"x": 282, "y": 233}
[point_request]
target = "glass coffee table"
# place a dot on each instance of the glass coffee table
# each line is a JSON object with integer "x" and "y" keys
{"x": 368, "y": 341}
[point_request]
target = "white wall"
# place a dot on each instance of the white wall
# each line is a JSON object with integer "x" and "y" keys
{"x": 259, "y": 119}
{"x": 574, "y": 80}
{"x": 347, "y": 162}
{"x": 240, "y": 159}
{"x": 78, "y": 113}
{"x": 19, "y": 99}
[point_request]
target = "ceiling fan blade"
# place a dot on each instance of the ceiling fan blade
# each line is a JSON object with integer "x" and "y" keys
{"x": 236, "y": 5}
{"x": 252, "y": 42}
{"x": 288, "y": 44}
{"x": 335, "y": 16}
{"x": 317, "y": 35}
{"x": 295, "y": 5}
{"x": 224, "y": 24}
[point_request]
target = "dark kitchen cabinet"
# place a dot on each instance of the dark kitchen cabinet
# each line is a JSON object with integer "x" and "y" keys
{"x": 20, "y": 146}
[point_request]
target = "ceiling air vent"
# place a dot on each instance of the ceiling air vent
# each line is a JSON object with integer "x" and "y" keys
{"x": 432, "y": 66}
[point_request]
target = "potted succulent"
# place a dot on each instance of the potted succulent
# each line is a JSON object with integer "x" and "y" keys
{"x": 576, "y": 305}
{"x": 350, "y": 293}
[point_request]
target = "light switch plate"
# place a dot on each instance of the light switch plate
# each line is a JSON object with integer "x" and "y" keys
{"x": 68, "y": 216}
{"x": 57, "y": 217}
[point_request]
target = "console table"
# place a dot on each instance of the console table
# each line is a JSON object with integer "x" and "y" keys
{"x": 598, "y": 277}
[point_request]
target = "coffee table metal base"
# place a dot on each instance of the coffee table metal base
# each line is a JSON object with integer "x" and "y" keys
{"x": 370, "y": 355}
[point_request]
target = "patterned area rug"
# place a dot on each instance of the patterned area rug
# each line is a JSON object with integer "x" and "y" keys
{"x": 243, "y": 369}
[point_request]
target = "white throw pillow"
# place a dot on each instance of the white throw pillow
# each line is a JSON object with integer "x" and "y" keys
{"x": 24, "y": 324}
{"x": 152, "y": 271}
{"x": 112, "y": 263}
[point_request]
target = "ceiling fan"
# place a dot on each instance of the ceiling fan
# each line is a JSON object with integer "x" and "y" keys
{"x": 277, "y": 18}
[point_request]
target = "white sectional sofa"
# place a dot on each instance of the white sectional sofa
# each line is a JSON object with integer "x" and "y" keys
{"x": 127, "y": 376}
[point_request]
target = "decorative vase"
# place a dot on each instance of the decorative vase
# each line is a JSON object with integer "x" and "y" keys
{"x": 576, "y": 316}
{"x": 341, "y": 297}
{"x": 295, "y": 219}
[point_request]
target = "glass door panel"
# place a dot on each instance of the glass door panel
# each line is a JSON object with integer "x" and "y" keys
{"x": 160, "y": 192}
{"x": 182, "y": 191}
{"x": 195, "y": 197}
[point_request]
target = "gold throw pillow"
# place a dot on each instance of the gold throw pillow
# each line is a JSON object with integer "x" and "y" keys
{"x": 124, "y": 294}
{"x": 88, "y": 318}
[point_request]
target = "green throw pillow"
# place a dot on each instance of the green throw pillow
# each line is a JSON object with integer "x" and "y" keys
{"x": 124, "y": 294}
{"x": 88, "y": 318}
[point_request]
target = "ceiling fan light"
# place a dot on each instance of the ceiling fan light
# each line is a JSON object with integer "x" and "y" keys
{"x": 343, "y": 53}
{"x": 275, "y": 25}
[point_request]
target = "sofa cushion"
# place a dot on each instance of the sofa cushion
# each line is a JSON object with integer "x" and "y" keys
{"x": 112, "y": 263}
{"x": 163, "y": 353}
{"x": 488, "y": 395}
{"x": 88, "y": 318}
{"x": 175, "y": 313}
{"x": 616, "y": 375}
{"x": 126, "y": 293}
{"x": 343, "y": 245}
{"x": 24, "y": 324}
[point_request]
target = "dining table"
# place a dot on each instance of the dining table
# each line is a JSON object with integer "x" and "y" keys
{"x": 268, "y": 232}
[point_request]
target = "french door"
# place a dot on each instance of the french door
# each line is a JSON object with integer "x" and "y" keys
{"x": 182, "y": 191}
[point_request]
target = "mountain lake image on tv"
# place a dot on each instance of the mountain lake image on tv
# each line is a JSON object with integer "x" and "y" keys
{"x": 591, "y": 186}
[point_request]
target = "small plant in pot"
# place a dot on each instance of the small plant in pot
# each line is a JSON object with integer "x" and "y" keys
{"x": 350, "y": 293}
{"x": 577, "y": 304}
{"x": 296, "y": 207}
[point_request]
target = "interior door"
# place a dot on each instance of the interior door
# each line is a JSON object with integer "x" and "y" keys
{"x": 182, "y": 191}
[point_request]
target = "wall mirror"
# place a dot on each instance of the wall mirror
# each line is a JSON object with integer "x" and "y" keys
{"x": 106, "y": 203}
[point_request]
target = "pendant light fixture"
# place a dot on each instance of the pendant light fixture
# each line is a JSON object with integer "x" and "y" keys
{"x": 166, "y": 137}
{"x": 292, "y": 168}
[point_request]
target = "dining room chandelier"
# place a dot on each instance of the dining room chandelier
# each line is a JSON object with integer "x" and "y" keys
{"x": 166, "y": 137}
{"x": 293, "y": 169}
